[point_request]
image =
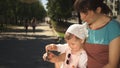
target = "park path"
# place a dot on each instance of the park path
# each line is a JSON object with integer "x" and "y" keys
{"x": 21, "y": 50}
{"x": 18, "y": 32}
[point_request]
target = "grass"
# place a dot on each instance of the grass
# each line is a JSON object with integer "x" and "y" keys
{"x": 60, "y": 27}
{"x": 61, "y": 34}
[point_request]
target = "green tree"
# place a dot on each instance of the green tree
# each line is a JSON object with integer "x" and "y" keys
{"x": 60, "y": 9}
{"x": 12, "y": 10}
{"x": 8, "y": 10}
{"x": 29, "y": 10}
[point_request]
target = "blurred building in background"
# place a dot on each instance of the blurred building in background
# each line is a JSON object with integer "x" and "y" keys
{"x": 115, "y": 7}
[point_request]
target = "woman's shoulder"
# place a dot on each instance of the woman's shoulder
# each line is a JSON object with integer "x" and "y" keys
{"x": 113, "y": 29}
{"x": 114, "y": 25}
{"x": 114, "y": 22}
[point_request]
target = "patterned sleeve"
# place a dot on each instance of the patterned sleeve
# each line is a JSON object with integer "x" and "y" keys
{"x": 62, "y": 48}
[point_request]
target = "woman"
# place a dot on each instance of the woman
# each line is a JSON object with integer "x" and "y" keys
{"x": 103, "y": 43}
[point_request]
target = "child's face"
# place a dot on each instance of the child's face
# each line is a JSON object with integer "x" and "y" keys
{"x": 74, "y": 43}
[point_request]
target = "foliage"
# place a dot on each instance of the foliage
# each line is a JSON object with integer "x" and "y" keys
{"x": 60, "y": 9}
{"x": 61, "y": 26}
{"x": 60, "y": 29}
{"x": 32, "y": 10}
{"x": 14, "y": 10}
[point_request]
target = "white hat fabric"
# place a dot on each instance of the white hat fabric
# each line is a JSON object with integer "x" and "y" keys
{"x": 79, "y": 30}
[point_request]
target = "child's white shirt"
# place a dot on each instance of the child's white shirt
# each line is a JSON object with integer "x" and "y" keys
{"x": 79, "y": 60}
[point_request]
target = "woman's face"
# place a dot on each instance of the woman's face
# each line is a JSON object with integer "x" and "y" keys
{"x": 88, "y": 17}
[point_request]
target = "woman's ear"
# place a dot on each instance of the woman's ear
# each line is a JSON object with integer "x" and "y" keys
{"x": 98, "y": 10}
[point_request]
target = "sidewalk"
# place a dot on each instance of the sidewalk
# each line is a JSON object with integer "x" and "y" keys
{"x": 18, "y": 32}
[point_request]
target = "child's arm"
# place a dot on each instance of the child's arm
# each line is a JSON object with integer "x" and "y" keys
{"x": 56, "y": 47}
{"x": 59, "y": 58}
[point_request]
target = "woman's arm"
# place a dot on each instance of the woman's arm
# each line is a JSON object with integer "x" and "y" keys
{"x": 114, "y": 53}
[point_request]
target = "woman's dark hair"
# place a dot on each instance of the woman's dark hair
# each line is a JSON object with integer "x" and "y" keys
{"x": 85, "y": 5}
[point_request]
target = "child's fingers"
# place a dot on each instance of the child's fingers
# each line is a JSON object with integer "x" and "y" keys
{"x": 44, "y": 56}
{"x": 50, "y": 47}
{"x": 73, "y": 66}
{"x": 53, "y": 59}
{"x": 51, "y": 55}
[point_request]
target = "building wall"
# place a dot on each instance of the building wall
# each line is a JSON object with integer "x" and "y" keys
{"x": 115, "y": 7}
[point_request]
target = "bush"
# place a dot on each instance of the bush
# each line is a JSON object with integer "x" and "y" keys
{"x": 61, "y": 26}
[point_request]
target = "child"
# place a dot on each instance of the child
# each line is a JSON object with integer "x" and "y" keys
{"x": 76, "y": 56}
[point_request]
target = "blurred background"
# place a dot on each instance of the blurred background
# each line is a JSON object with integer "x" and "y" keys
{"x": 26, "y": 26}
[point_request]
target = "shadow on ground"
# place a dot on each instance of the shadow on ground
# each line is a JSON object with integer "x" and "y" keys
{"x": 22, "y": 30}
{"x": 24, "y": 51}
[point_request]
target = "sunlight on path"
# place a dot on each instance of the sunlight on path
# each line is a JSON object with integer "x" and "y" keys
{"x": 18, "y": 32}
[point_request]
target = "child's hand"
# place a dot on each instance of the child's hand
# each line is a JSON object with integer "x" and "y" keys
{"x": 49, "y": 56}
{"x": 73, "y": 66}
{"x": 44, "y": 56}
{"x": 50, "y": 47}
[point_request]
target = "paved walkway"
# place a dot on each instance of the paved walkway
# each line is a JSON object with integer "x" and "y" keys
{"x": 18, "y": 32}
{"x": 21, "y": 50}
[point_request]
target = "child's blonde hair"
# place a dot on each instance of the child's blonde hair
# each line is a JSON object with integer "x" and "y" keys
{"x": 77, "y": 30}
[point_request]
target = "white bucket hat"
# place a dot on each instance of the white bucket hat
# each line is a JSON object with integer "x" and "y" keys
{"x": 79, "y": 30}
